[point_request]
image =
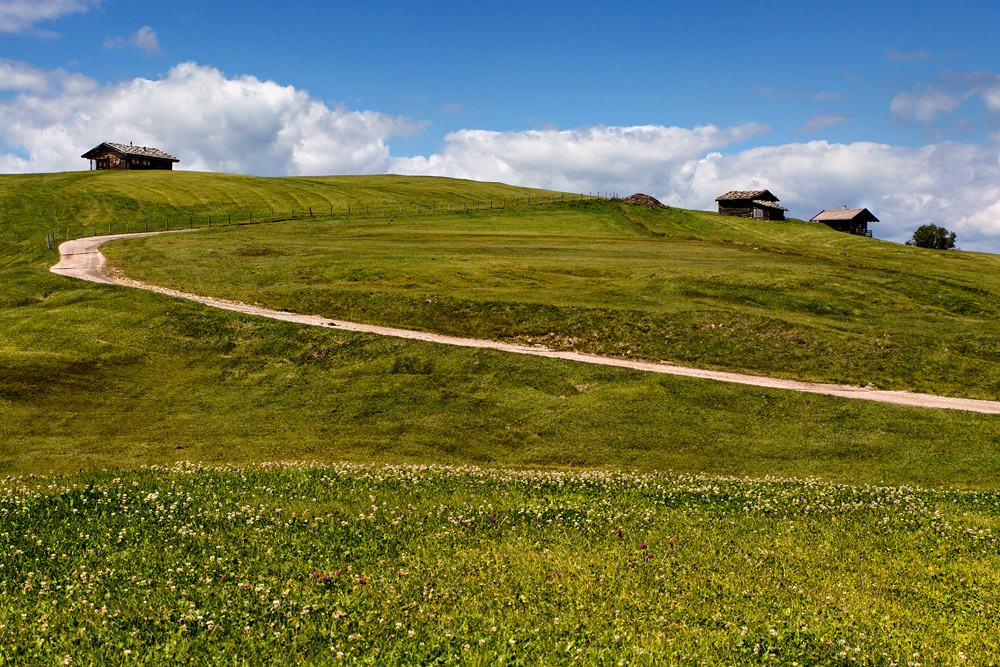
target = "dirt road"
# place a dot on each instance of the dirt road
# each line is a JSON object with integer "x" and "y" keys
{"x": 82, "y": 259}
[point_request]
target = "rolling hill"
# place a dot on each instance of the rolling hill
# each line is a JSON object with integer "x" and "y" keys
{"x": 98, "y": 376}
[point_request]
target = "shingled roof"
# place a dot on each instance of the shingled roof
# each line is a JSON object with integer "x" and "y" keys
{"x": 769, "y": 204}
{"x": 129, "y": 149}
{"x": 844, "y": 215}
{"x": 754, "y": 195}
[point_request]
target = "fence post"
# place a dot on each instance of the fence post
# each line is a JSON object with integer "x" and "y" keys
{"x": 348, "y": 209}
{"x": 229, "y": 218}
{"x": 310, "y": 211}
{"x": 366, "y": 209}
{"x": 126, "y": 228}
{"x": 491, "y": 204}
{"x": 147, "y": 224}
{"x": 331, "y": 209}
{"x": 401, "y": 208}
{"x": 166, "y": 222}
{"x": 272, "y": 214}
{"x": 251, "y": 217}
{"x": 190, "y": 222}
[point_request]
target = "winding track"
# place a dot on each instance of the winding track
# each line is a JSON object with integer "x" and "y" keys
{"x": 82, "y": 258}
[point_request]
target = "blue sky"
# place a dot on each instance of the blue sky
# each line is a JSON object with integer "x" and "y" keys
{"x": 890, "y": 105}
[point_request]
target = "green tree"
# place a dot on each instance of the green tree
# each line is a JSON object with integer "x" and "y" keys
{"x": 932, "y": 236}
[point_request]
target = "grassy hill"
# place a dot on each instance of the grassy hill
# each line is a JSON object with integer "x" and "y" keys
{"x": 100, "y": 376}
{"x": 789, "y": 299}
{"x": 357, "y": 562}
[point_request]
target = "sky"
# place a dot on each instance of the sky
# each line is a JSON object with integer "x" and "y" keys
{"x": 893, "y": 106}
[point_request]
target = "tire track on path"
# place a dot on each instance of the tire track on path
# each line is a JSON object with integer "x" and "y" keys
{"x": 82, "y": 258}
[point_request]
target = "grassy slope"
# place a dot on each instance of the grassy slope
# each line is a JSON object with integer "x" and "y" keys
{"x": 793, "y": 299}
{"x": 94, "y": 376}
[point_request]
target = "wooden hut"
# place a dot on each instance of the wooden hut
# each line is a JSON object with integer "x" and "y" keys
{"x": 120, "y": 156}
{"x": 850, "y": 220}
{"x": 757, "y": 204}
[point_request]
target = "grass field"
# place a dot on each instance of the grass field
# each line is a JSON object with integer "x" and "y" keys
{"x": 349, "y": 564}
{"x": 586, "y": 533}
{"x": 97, "y": 376}
{"x": 791, "y": 299}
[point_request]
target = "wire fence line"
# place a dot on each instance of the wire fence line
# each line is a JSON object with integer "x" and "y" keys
{"x": 248, "y": 216}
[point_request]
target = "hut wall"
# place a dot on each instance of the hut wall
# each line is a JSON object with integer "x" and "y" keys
{"x": 736, "y": 208}
{"x": 114, "y": 160}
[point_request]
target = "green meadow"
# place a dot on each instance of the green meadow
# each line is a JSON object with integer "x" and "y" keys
{"x": 346, "y": 564}
{"x": 437, "y": 505}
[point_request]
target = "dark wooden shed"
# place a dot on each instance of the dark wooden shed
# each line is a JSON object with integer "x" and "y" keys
{"x": 121, "y": 156}
{"x": 850, "y": 220}
{"x": 757, "y": 204}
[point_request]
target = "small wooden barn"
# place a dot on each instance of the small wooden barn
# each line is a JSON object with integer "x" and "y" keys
{"x": 120, "y": 156}
{"x": 757, "y": 204}
{"x": 850, "y": 220}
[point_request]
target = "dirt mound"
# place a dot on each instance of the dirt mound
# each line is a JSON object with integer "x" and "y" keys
{"x": 644, "y": 200}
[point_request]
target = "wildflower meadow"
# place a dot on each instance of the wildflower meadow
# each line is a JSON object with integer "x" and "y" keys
{"x": 358, "y": 564}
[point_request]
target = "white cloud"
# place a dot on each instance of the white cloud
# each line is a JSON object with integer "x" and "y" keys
{"x": 821, "y": 121}
{"x": 588, "y": 159}
{"x": 926, "y": 102}
{"x": 929, "y": 100}
{"x": 23, "y": 77}
{"x": 955, "y": 185}
{"x": 950, "y": 184}
{"x": 22, "y": 15}
{"x": 244, "y": 125}
{"x": 211, "y": 122}
{"x": 144, "y": 39}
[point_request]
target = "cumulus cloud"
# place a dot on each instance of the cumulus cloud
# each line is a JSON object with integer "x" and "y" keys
{"x": 820, "y": 121}
{"x": 22, "y": 15}
{"x": 144, "y": 39}
{"x": 950, "y": 184}
{"x": 242, "y": 124}
{"x": 588, "y": 159}
{"x": 23, "y": 77}
{"x": 210, "y": 121}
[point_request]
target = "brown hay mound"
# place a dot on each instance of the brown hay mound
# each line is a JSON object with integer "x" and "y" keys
{"x": 644, "y": 200}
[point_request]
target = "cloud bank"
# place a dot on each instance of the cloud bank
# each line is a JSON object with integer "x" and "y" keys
{"x": 242, "y": 124}
{"x": 213, "y": 123}
{"x": 21, "y": 15}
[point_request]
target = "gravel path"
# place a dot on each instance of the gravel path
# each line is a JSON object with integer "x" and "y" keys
{"x": 82, "y": 259}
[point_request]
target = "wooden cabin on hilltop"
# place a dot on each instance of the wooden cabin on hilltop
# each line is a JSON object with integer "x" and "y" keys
{"x": 756, "y": 204}
{"x": 850, "y": 220}
{"x": 119, "y": 156}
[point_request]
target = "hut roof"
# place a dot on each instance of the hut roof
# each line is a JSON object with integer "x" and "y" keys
{"x": 753, "y": 195}
{"x": 769, "y": 204}
{"x": 129, "y": 149}
{"x": 844, "y": 215}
